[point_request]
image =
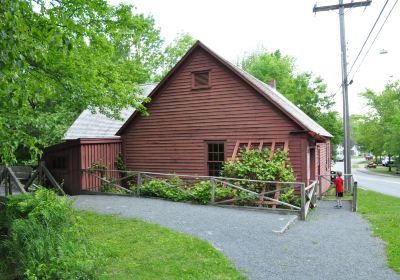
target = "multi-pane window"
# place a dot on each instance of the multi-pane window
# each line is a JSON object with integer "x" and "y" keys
{"x": 215, "y": 158}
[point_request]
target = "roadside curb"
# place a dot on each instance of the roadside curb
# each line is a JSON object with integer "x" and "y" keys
{"x": 365, "y": 171}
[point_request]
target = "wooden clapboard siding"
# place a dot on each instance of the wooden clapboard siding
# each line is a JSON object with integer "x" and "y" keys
{"x": 102, "y": 151}
{"x": 325, "y": 162}
{"x": 182, "y": 121}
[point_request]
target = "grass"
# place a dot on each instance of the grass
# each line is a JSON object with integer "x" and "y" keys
{"x": 134, "y": 249}
{"x": 383, "y": 170}
{"x": 330, "y": 194}
{"x": 382, "y": 211}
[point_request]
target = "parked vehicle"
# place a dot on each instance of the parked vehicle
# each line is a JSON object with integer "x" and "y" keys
{"x": 340, "y": 157}
{"x": 387, "y": 162}
{"x": 369, "y": 156}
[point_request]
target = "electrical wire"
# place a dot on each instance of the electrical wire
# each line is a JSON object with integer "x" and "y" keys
{"x": 376, "y": 36}
{"x": 366, "y": 40}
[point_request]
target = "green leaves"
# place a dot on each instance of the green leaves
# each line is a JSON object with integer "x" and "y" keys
{"x": 256, "y": 165}
{"x": 60, "y": 57}
{"x": 44, "y": 239}
{"x": 379, "y": 130}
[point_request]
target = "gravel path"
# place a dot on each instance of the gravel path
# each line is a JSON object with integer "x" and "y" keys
{"x": 332, "y": 244}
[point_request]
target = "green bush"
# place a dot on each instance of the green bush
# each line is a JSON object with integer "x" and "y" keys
{"x": 224, "y": 192}
{"x": 165, "y": 188}
{"x": 290, "y": 197}
{"x": 201, "y": 192}
{"x": 259, "y": 165}
{"x": 43, "y": 239}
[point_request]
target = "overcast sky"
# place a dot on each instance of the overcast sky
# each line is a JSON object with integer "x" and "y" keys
{"x": 232, "y": 28}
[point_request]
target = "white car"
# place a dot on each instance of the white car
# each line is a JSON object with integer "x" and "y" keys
{"x": 386, "y": 162}
{"x": 340, "y": 157}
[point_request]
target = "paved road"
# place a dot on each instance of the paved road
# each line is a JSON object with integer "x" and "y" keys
{"x": 324, "y": 247}
{"x": 385, "y": 184}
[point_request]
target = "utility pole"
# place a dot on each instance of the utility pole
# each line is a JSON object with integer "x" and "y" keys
{"x": 341, "y": 7}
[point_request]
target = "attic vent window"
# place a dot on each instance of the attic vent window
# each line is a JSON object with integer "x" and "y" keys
{"x": 201, "y": 79}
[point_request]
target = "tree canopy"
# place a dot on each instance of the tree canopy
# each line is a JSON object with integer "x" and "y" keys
{"x": 379, "y": 130}
{"x": 302, "y": 88}
{"x": 59, "y": 57}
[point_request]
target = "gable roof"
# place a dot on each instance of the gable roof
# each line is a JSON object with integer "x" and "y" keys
{"x": 271, "y": 94}
{"x": 97, "y": 125}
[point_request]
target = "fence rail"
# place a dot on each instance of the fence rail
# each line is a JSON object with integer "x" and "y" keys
{"x": 352, "y": 188}
{"x": 8, "y": 179}
{"x": 292, "y": 197}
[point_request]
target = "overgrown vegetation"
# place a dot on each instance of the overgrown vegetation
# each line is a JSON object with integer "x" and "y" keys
{"x": 382, "y": 211}
{"x": 42, "y": 239}
{"x": 251, "y": 164}
{"x": 60, "y": 57}
{"x": 256, "y": 165}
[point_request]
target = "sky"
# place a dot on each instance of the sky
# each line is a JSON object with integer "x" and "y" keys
{"x": 236, "y": 27}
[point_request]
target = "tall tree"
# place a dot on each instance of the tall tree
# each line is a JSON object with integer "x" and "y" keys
{"x": 59, "y": 57}
{"x": 175, "y": 50}
{"x": 302, "y": 88}
{"x": 379, "y": 130}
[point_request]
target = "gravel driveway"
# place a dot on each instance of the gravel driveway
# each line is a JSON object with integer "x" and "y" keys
{"x": 332, "y": 244}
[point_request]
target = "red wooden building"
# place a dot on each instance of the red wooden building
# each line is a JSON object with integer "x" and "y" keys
{"x": 205, "y": 109}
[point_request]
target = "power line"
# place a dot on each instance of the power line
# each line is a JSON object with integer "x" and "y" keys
{"x": 341, "y": 7}
{"x": 369, "y": 34}
{"x": 376, "y": 36}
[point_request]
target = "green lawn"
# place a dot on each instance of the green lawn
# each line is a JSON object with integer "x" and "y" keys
{"x": 383, "y": 212}
{"x": 384, "y": 170}
{"x": 330, "y": 194}
{"x": 134, "y": 249}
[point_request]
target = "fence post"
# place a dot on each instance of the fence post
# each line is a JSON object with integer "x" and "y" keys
{"x": 138, "y": 183}
{"x": 212, "y": 182}
{"x": 303, "y": 201}
{"x": 314, "y": 197}
{"x": 6, "y": 181}
{"x": 320, "y": 187}
{"x": 355, "y": 198}
{"x": 9, "y": 184}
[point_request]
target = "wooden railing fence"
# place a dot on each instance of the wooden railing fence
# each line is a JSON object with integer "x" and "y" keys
{"x": 351, "y": 189}
{"x": 8, "y": 179}
{"x": 244, "y": 193}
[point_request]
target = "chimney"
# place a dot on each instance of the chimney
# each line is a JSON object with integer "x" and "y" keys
{"x": 272, "y": 83}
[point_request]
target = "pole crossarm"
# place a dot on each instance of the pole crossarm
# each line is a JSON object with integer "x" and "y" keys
{"x": 345, "y": 6}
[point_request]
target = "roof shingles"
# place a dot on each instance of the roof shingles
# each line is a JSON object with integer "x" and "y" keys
{"x": 97, "y": 125}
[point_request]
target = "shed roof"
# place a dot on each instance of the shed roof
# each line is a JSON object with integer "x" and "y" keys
{"x": 271, "y": 94}
{"x": 97, "y": 125}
